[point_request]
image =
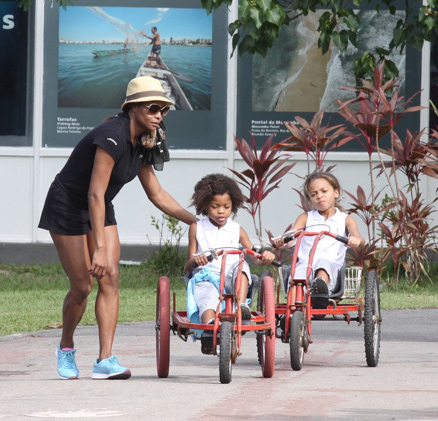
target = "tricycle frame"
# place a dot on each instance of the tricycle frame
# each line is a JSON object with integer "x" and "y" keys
{"x": 298, "y": 332}
{"x": 228, "y": 322}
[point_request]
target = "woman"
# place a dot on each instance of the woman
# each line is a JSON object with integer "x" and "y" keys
{"x": 80, "y": 216}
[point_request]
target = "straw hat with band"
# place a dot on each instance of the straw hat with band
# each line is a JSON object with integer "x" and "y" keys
{"x": 145, "y": 89}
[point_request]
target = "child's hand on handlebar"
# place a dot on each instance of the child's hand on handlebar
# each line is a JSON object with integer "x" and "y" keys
{"x": 354, "y": 241}
{"x": 200, "y": 259}
{"x": 286, "y": 239}
{"x": 278, "y": 242}
{"x": 267, "y": 257}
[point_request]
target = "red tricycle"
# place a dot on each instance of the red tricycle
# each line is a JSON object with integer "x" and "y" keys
{"x": 223, "y": 337}
{"x": 294, "y": 318}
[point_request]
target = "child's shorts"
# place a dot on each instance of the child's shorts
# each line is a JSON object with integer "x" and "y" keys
{"x": 207, "y": 296}
{"x": 231, "y": 276}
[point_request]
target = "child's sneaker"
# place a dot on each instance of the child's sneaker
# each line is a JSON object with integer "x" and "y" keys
{"x": 67, "y": 369}
{"x": 319, "y": 294}
{"x": 109, "y": 368}
{"x": 246, "y": 311}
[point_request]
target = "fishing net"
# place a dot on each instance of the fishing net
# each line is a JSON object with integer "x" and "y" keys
{"x": 131, "y": 34}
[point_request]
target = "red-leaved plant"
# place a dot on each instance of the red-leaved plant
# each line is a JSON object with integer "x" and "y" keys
{"x": 314, "y": 139}
{"x": 405, "y": 234}
{"x": 265, "y": 172}
{"x": 404, "y": 226}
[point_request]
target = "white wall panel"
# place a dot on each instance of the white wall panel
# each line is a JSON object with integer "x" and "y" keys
{"x": 49, "y": 167}
{"x": 26, "y": 173}
{"x": 133, "y": 209}
{"x": 16, "y": 190}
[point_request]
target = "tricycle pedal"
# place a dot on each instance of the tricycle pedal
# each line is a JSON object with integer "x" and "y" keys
{"x": 207, "y": 345}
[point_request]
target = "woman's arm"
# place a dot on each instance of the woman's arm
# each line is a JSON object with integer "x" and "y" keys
{"x": 354, "y": 238}
{"x": 103, "y": 166}
{"x": 160, "y": 198}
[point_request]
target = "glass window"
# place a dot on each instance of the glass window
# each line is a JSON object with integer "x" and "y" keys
{"x": 14, "y": 75}
{"x": 434, "y": 85}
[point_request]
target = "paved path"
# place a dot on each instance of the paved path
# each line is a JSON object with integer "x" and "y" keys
{"x": 335, "y": 382}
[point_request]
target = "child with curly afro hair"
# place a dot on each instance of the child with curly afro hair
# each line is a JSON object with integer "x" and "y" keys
{"x": 216, "y": 197}
{"x": 214, "y": 184}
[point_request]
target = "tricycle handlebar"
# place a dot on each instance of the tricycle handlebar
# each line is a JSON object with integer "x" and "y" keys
{"x": 255, "y": 251}
{"x": 290, "y": 235}
{"x": 286, "y": 236}
{"x": 342, "y": 239}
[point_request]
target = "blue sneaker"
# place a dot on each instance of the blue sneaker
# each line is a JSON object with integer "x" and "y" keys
{"x": 66, "y": 364}
{"x": 109, "y": 368}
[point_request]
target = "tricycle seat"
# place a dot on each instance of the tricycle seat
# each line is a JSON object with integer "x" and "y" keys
{"x": 337, "y": 292}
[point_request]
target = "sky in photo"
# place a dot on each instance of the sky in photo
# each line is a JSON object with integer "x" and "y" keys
{"x": 78, "y": 23}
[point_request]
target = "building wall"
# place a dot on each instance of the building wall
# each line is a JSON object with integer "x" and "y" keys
{"x": 26, "y": 173}
{"x": 19, "y": 218}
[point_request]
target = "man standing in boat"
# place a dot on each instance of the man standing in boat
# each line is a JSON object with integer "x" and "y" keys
{"x": 156, "y": 45}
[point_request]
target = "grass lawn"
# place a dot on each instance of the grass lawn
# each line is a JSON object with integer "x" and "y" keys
{"x": 31, "y": 296}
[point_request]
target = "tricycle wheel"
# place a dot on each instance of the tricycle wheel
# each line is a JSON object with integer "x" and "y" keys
{"x": 162, "y": 326}
{"x": 225, "y": 365}
{"x": 266, "y": 343}
{"x": 296, "y": 340}
{"x": 372, "y": 318}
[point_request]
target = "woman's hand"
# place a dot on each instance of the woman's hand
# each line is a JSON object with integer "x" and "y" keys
{"x": 99, "y": 264}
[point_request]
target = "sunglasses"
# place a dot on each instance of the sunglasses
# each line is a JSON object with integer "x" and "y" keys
{"x": 155, "y": 108}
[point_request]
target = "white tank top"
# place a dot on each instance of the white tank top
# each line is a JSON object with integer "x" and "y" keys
{"x": 209, "y": 236}
{"x": 328, "y": 248}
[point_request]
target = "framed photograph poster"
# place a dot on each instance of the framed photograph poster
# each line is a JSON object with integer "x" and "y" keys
{"x": 296, "y": 79}
{"x": 15, "y": 56}
{"x": 95, "y": 49}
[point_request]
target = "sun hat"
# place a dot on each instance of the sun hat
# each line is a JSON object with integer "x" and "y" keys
{"x": 145, "y": 89}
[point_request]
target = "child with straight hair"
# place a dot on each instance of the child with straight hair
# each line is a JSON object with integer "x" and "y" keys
{"x": 322, "y": 192}
{"x": 217, "y": 197}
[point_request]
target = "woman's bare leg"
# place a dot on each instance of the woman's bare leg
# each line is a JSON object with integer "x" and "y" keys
{"x": 75, "y": 259}
{"x": 107, "y": 300}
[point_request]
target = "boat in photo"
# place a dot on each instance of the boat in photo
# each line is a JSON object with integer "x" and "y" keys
{"x": 168, "y": 79}
{"x": 104, "y": 53}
